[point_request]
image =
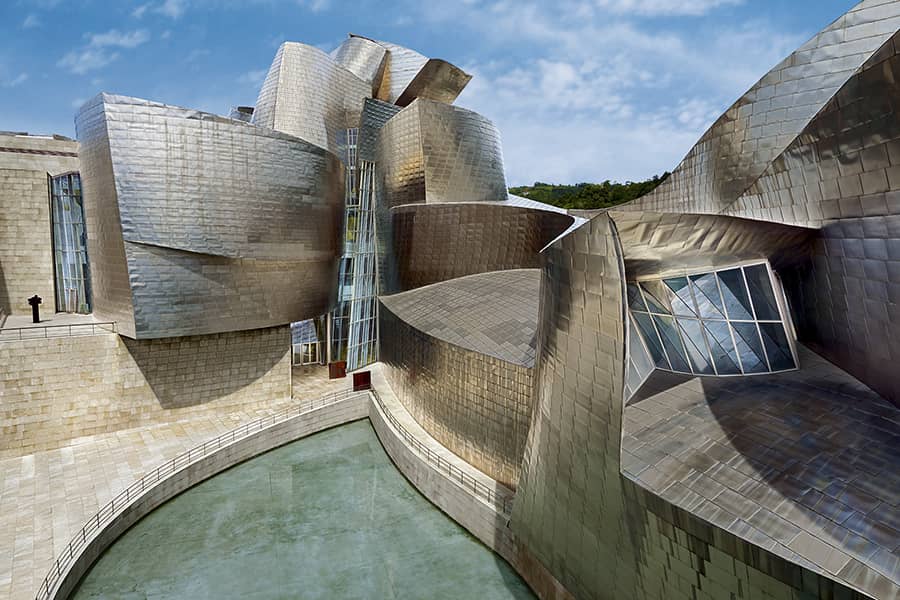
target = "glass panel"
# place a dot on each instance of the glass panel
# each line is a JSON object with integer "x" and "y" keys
{"x": 680, "y": 297}
{"x": 777, "y": 347}
{"x": 696, "y": 346}
{"x": 749, "y": 348}
{"x": 638, "y": 353}
{"x": 737, "y": 302}
{"x": 672, "y": 343}
{"x": 655, "y": 294}
{"x": 706, "y": 292}
{"x": 634, "y": 298}
{"x": 723, "y": 353}
{"x": 652, "y": 340}
{"x": 761, "y": 293}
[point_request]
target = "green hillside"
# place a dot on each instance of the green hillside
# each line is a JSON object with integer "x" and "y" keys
{"x": 588, "y": 196}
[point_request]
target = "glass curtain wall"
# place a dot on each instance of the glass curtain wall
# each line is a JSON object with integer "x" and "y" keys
{"x": 362, "y": 345}
{"x": 70, "y": 258}
{"x": 353, "y": 321}
{"x": 725, "y": 322}
{"x": 306, "y": 342}
{"x": 340, "y": 316}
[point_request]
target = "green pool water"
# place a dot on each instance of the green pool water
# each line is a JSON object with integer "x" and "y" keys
{"x": 328, "y": 516}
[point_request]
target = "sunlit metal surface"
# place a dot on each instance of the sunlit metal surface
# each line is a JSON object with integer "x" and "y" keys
{"x": 436, "y": 242}
{"x": 437, "y": 80}
{"x": 362, "y": 57}
{"x": 667, "y": 243}
{"x": 310, "y": 96}
{"x": 802, "y": 463}
{"x": 434, "y": 152}
{"x": 760, "y": 126}
{"x": 576, "y": 510}
{"x": 171, "y": 189}
{"x": 400, "y": 68}
{"x": 480, "y": 326}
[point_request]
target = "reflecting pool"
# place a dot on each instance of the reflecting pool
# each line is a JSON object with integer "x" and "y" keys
{"x": 327, "y": 516}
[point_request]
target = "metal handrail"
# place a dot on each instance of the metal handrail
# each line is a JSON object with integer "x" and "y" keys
{"x": 14, "y": 334}
{"x": 502, "y": 503}
{"x": 138, "y": 487}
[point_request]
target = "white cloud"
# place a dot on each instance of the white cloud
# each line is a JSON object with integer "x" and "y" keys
{"x": 118, "y": 39}
{"x": 654, "y": 8}
{"x": 16, "y": 81}
{"x": 31, "y": 21}
{"x": 98, "y": 53}
{"x": 86, "y": 59}
{"x": 172, "y": 9}
{"x": 253, "y": 78}
{"x": 600, "y": 94}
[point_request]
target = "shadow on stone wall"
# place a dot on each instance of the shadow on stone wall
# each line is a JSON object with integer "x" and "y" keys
{"x": 190, "y": 371}
{"x": 5, "y": 304}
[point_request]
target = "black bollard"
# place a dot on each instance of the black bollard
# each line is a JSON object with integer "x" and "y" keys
{"x": 35, "y": 301}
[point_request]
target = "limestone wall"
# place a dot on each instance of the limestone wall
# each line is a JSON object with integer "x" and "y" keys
{"x": 26, "y": 250}
{"x": 26, "y": 253}
{"x": 53, "y": 390}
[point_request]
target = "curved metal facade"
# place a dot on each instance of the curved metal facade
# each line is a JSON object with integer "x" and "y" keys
{"x": 204, "y": 224}
{"x": 458, "y": 355}
{"x": 437, "y": 242}
{"x": 601, "y": 534}
{"x": 760, "y": 126}
{"x": 362, "y": 57}
{"x": 434, "y": 152}
{"x": 308, "y": 95}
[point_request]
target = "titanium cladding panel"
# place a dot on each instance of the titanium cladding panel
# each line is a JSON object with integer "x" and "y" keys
{"x": 308, "y": 95}
{"x": 437, "y": 242}
{"x": 225, "y": 226}
{"x": 362, "y": 57}
{"x": 434, "y": 152}
{"x": 400, "y": 68}
{"x": 599, "y": 533}
{"x": 742, "y": 143}
{"x": 438, "y": 80}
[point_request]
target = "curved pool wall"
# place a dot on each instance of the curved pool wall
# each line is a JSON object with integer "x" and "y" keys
{"x": 327, "y": 516}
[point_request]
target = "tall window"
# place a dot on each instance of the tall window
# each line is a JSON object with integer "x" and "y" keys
{"x": 72, "y": 271}
{"x": 725, "y": 322}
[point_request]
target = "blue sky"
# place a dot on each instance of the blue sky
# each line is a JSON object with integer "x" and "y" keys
{"x": 582, "y": 90}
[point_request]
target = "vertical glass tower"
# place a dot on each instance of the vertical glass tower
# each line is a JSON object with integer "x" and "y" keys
{"x": 70, "y": 258}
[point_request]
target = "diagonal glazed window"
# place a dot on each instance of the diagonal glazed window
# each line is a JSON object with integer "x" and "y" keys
{"x": 723, "y": 322}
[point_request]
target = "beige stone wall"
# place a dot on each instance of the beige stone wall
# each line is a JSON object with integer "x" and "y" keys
{"x": 26, "y": 251}
{"x": 53, "y": 390}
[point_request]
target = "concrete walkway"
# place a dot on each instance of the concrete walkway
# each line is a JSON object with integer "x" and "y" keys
{"x": 46, "y": 497}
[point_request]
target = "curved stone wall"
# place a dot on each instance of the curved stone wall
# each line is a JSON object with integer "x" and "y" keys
{"x": 438, "y": 242}
{"x": 200, "y": 224}
{"x": 476, "y": 405}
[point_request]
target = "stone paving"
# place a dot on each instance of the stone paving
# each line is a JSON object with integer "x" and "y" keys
{"x": 46, "y": 497}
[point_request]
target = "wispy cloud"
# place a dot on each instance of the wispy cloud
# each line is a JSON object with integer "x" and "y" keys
{"x": 663, "y": 8}
{"x": 15, "y": 81}
{"x": 252, "y": 78}
{"x": 31, "y": 21}
{"x": 173, "y": 9}
{"x": 609, "y": 93}
{"x": 100, "y": 50}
